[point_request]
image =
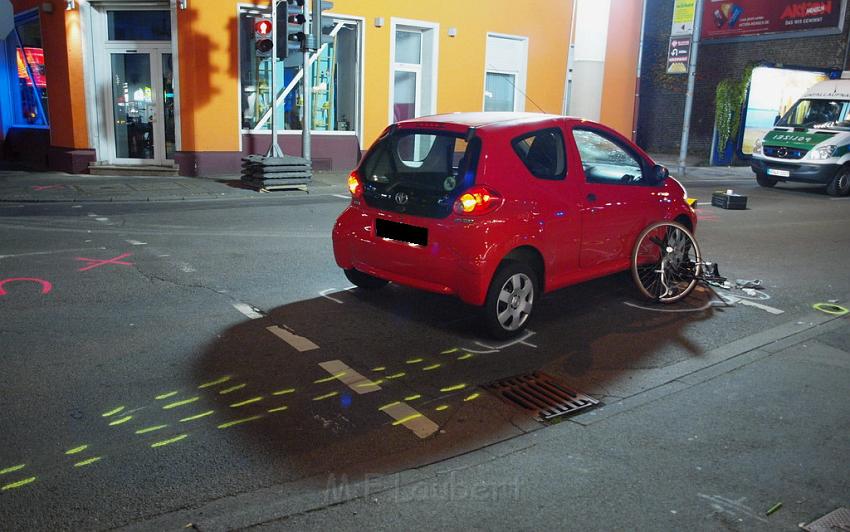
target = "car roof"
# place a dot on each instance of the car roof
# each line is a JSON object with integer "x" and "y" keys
{"x": 483, "y": 119}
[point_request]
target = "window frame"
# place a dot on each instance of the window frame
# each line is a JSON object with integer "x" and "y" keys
{"x": 427, "y": 70}
{"x": 515, "y": 87}
{"x": 645, "y": 180}
{"x": 554, "y": 177}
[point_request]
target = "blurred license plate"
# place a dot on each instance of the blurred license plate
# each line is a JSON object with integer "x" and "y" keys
{"x": 778, "y": 173}
{"x": 401, "y": 232}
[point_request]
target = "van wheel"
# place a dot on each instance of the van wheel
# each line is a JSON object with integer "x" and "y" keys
{"x": 840, "y": 184}
{"x": 509, "y": 300}
{"x": 364, "y": 280}
{"x": 765, "y": 181}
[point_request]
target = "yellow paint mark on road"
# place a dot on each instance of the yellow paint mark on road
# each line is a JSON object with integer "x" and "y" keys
{"x": 175, "y": 404}
{"x": 120, "y": 421}
{"x": 87, "y": 462}
{"x": 454, "y": 388}
{"x": 370, "y": 384}
{"x": 465, "y": 357}
{"x": 112, "y": 412}
{"x": 831, "y": 308}
{"x": 277, "y": 409}
{"x": 12, "y": 469}
{"x": 414, "y": 361}
{"x": 472, "y": 397}
{"x": 412, "y": 397}
{"x": 239, "y": 421}
{"x": 390, "y": 405}
{"x": 441, "y": 408}
{"x": 221, "y": 380}
{"x": 160, "y": 397}
{"x": 325, "y": 396}
{"x": 284, "y": 392}
{"x": 197, "y": 416}
{"x": 405, "y": 419}
{"x": 18, "y": 484}
{"x": 169, "y": 441}
{"x": 396, "y": 375}
{"x": 76, "y": 450}
{"x": 331, "y": 378}
{"x": 232, "y": 389}
{"x": 431, "y": 367}
{"x": 150, "y": 429}
{"x": 450, "y": 351}
{"x": 247, "y": 402}
{"x": 380, "y": 368}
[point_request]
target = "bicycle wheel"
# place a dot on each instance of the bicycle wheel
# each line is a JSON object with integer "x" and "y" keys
{"x": 666, "y": 262}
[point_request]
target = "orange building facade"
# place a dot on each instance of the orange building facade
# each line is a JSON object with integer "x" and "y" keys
{"x": 178, "y": 85}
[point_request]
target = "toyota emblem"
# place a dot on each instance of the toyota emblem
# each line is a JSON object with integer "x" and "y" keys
{"x": 401, "y": 198}
{"x": 782, "y": 152}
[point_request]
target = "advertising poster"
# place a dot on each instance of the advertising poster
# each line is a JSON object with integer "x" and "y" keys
{"x": 772, "y": 92}
{"x": 678, "y": 55}
{"x": 722, "y": 19}
{"x": 683, "y": 17}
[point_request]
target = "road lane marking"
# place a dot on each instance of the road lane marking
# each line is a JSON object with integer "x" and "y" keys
{"x": 300, "y": 343}
{"x": 239, "y": 421}
{"x": 87, "y": 462}
{"x": 18, "y": 484}
{"x": 232, "y": 389}
{"x": 151, "y": 429}
{"x": 169, "y": 441}
{"x": 250, "y": 312}
{"x": 175, "y": 404}
{"x": 349, "y": 377}
{"x": 404, "y": 414}
{"x": 197, "y": 416}
{"x": 12, "y": 469}
{"x": 221, "y": 380}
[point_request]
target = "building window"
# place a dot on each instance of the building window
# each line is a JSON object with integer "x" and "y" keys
{"x": 413, "y": 76}
{"x": 505, "y": 73}
{"x": 139, "y": 25}
{"x": 29, "y": 79}
{"x": 335, "y": 70}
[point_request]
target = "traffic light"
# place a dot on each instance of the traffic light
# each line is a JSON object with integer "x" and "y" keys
{"x": 263, "y": 37}
{"x": 290, "y": 28}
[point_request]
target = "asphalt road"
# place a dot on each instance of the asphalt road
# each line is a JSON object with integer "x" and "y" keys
{"x": 161, "y": 357}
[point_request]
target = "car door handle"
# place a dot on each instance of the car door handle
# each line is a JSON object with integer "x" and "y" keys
{"x": 591, "y": 197}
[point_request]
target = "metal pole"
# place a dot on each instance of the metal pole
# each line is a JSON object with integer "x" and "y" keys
{"x": 636, "y": 110}
{"x": 689, "y": 100}
{"x": 274, "y": 149}
{"x": 308, "y": 88}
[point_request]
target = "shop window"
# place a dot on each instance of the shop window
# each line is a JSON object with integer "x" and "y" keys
{"x": 335, "y": 104}
{"x": 28, "y": 79}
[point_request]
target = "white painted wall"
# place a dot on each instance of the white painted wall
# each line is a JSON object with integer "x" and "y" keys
{"x": 591, "y": 37}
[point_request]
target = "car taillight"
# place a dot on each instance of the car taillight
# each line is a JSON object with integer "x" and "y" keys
{"x": 478, "y": 200}
{"x": 354, "y": 186}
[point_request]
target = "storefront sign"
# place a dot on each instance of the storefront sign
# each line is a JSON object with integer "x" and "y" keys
{"x": 683, "y": 17}
{"x": 750, "y": 18}
{"x": 679, "y": 54}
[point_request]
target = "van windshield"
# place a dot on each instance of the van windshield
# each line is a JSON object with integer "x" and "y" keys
{"x": 818, "y": 114}
{"x": 418, "y": 172}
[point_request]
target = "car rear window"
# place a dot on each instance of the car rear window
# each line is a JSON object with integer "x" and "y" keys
{"x": 419, "y": 172}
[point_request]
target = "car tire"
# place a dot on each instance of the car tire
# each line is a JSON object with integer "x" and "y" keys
{"x": 840, "y": 184}
{"x": 510, "y": 300}
{"x": 364, "y": 280}
{"x": 764, "y": 181}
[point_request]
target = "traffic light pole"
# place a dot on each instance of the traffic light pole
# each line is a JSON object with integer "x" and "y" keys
{"x": 274, "y": 149}
{"x": 689, "y": 98}
{"x": 306, "y": 146}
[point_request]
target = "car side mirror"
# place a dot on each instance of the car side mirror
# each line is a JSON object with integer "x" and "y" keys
{"x": 660, "y": 173}
{"x": 776, "y": 119}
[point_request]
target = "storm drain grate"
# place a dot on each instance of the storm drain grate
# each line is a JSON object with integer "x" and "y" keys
{"x": 541, "y": 394}
{"x": 836, "y": 520}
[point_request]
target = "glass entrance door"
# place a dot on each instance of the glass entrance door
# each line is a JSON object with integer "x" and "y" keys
{"x": 142, "y": 106}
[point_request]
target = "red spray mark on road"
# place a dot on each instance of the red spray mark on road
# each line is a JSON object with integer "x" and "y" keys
{"x": 706, "y": 216}
{"x": 46, "y": 187}
{"x": 96, "y": 263}
{"x": 46, "y": 287}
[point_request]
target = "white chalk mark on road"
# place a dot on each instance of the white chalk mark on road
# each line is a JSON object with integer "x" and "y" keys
{"x": 737, "y": 300}
{"x": 349, "y": 377}
{"x": 47, "y": 252}
{"x": 298, "y": 342}
{"x": 136, "y": 242}
{"x": 248, "y": 310}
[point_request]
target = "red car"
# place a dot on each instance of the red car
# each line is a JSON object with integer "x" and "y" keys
{"x": 499, "y": 208}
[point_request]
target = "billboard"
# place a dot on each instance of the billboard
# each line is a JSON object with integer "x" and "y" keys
{"x": 722, "y": 19}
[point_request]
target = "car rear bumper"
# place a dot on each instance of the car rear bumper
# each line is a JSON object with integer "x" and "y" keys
{"x": 804, "y": 173}
{"x": 439, "y": 266}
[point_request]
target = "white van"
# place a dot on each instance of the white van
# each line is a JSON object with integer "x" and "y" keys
{"x": 811, "y": 143}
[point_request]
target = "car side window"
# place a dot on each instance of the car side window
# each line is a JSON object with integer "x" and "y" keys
{"x": 605, "y": 161}
{"x": 542, "y": 152}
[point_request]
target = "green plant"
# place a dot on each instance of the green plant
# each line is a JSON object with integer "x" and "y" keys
{"x": 728, "y": 100}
